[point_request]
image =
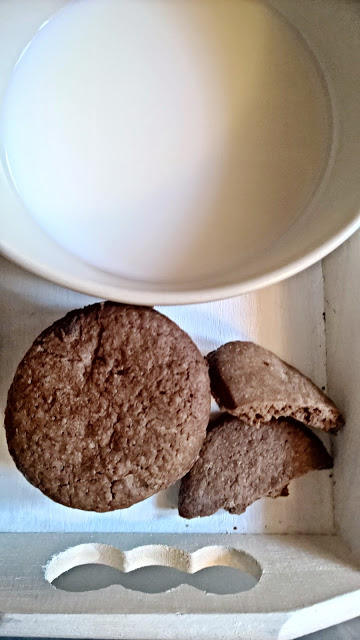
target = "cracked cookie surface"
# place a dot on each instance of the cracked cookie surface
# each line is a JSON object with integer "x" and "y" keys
{"x": 240, "y": 463}
{"x": 109, "y": 406}
{"x": 256, "y": 386}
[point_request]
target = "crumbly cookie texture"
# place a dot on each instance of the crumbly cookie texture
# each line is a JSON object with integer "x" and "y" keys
{"x": 109, "y": 405}
{"x": 240, "y": 463}
{"x": 256, "y": 386}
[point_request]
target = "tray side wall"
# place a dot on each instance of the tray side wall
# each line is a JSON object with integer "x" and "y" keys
{"x": 342, "y": 305}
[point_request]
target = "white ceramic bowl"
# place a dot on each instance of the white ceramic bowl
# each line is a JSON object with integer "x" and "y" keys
{"x": 332, "y": 31}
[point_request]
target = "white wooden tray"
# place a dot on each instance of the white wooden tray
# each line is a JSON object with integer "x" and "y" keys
{"x": 309, "y": 579}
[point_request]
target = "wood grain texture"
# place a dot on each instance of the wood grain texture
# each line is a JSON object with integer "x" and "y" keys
{"x": 315, "y": 573}
{"x": 342, "y": 300}
{"x": 287, "y": 318}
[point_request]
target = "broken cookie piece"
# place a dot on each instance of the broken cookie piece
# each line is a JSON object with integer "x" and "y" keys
{"x": 255, "y": 385}
{"x": 240, "y": 463}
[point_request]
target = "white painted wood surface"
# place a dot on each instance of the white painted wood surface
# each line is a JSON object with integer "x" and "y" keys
{"x": 342, "y": 304}
{"x": 287, "y": 318}
{"x": 282, "y": 605}
{"x": 307, "y": 583}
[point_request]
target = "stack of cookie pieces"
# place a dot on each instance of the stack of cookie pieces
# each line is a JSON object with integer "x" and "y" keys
{"x": 260, "y": 444}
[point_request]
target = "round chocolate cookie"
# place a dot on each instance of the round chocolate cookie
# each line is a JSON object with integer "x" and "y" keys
{"x": 108, "y": 406}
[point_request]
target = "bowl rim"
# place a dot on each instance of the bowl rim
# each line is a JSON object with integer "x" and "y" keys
{"x": 168, "y": 297}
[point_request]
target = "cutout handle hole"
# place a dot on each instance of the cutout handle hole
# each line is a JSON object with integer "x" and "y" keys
{"x": 153, "y": 569}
